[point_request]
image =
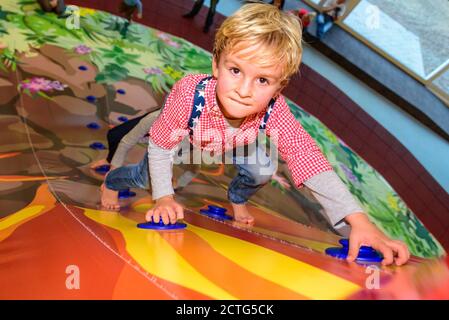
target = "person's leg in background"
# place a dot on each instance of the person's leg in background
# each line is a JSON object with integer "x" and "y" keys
{"x": 279, "y": 3}
{"x": 56, "y": 6}
{"x": 127, "y": 13}
{"x": 328, "y": 24}
{"x": 210, "y": 15}
{"x": 60, "y": 8}
{"x": 324, "y": 23}
{"x": 195, "y": 9}
{"x": 319, "y": 25}
{"x": 45, "y": 5}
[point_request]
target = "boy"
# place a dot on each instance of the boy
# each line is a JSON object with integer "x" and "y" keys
{"x": 256, "y": 51}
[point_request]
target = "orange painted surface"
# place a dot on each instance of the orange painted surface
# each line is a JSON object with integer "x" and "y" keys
{"x": 8, "y": 155}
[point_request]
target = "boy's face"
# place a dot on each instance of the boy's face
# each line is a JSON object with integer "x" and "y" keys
{"x": 245, "y": 87}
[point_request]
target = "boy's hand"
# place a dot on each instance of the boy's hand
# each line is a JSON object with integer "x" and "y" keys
{"x": 167, "y": 209}
{"x": 139, "y": 15}
{"x": 363, "y": 232}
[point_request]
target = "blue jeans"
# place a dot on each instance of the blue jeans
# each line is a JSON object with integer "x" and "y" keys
{"x": 130, "y": 176}
{"x": 254, "y": 171}
{"x": 323, "y": 24}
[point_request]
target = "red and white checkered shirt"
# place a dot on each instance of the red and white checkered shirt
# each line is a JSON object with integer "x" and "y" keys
{"x": 303, "y": 157}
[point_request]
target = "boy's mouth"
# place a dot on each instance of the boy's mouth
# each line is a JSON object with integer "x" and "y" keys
{"x": 242, "y": 103}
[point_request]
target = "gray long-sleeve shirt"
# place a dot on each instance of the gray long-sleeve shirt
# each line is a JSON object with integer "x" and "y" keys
{"x": 327, "y": 187}
{"x": 132, "y": 138}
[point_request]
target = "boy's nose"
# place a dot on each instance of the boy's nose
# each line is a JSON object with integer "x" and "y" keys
{"x": 244, "y": 89}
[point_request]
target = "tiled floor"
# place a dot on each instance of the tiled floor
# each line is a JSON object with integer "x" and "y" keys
{"x": 333, "y": 107}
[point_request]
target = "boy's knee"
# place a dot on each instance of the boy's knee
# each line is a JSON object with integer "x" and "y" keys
{"x": 266, "y": 172}
{"x": 262, "y": 179}
{"x": 263, "y": 176}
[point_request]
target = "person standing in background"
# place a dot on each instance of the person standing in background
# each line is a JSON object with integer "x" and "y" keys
{"x": 210, "y": 15}
{"x": 306, "y": 18}
{"x": 332, "y": 11}
{"x": 128, "y": 7}
{"x": 56, "y": 6}
{"x": 278, "y": 3}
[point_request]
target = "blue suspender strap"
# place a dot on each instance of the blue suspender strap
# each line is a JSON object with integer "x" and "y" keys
{"x": 263, "y": 124}
{"x": 198, "y": 103}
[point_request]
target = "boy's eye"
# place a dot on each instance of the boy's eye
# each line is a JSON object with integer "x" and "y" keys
{"x": 235, "y": 71}
{"x": 263, "y": 81}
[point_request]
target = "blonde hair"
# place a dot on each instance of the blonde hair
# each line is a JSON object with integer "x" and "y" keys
{"x": 261, "y": 24}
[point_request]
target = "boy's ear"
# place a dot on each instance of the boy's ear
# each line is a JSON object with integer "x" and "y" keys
{"x": 282, "y": 86}
{"x": 214, "y": 67}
